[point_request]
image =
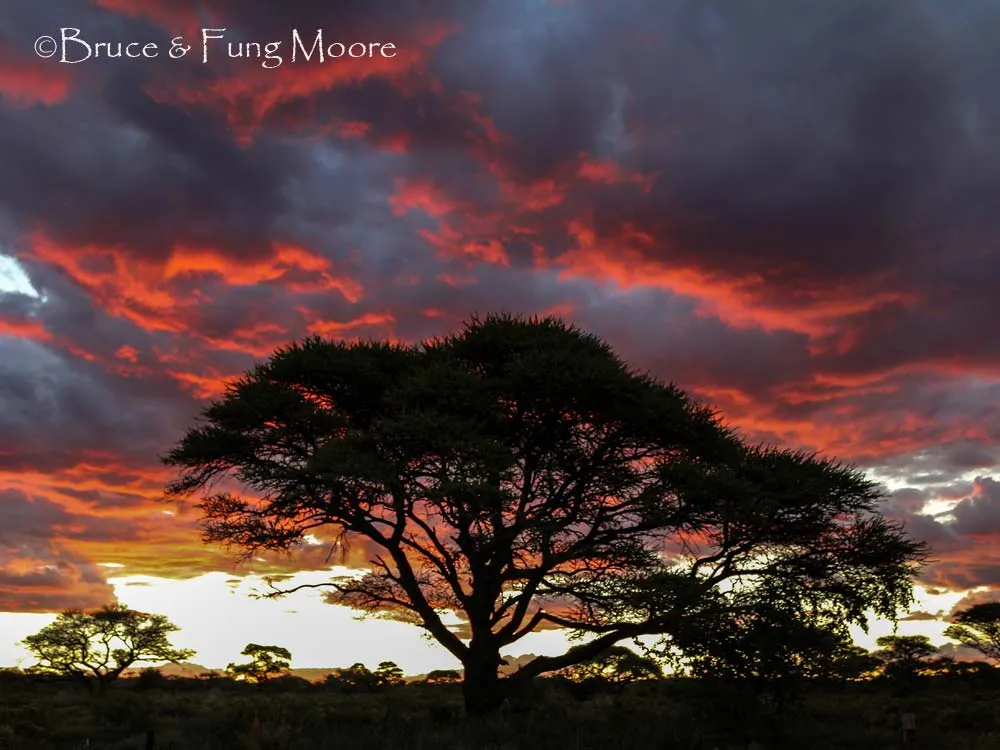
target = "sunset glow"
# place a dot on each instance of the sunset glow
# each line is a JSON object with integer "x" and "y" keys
{"x": 804, "y": 245}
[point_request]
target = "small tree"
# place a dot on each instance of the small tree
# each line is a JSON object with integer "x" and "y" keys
{"x": 520, "y": 474}
{"x": 389, "y": 674}
{"x": 978, "y": 627}
{"x": 904, "y": 656}
{"x": 96, "y": 647}
{"x": 266, "y": 662}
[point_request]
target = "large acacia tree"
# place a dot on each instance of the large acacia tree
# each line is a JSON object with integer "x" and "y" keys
{"x": 520, "y": 474}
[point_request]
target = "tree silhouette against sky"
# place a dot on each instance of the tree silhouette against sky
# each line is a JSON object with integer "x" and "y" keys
{"x": 96, "y": 647}
{"x": 520, "y": 474}
{"x": 978, "y": 627}
{"x": 903, "y": 656}
{"x": 266, "y": 663}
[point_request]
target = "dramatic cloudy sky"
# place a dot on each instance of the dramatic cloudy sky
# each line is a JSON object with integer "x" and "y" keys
{"x": 788, "y": 208}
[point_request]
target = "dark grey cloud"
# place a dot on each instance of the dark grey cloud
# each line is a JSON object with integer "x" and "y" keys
{"x": 39, "y": 573}
{"x": 816, "y": 181}
{"x": 23, "y": 517}
{"x": 979, "y": 513}
{"x": 62, "y": 579}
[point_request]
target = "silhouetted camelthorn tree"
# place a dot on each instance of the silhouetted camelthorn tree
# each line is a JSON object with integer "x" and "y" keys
{"x": 266, "y": 662}
{"x": 519, "y": 473}
{"x": 96, "y": 647}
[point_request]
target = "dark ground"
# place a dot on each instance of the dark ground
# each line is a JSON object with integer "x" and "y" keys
{"x": 193, "y": 714}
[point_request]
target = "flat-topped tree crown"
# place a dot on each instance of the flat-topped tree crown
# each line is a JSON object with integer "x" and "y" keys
{"x": 520, "y": 474}
{"x": 96, "y": 647}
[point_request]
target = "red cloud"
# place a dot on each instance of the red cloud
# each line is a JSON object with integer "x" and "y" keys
{"x": 25, "y": 328}
{"x": 612, "y": 173}
{"x": 627, "y": 260}
{"x": 248, "y": 94}
{"x": 26, "y": 81}
{"x": 413, "y": 195}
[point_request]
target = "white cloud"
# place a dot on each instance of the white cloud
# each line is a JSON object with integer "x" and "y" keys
{"x": 14, "y": 280}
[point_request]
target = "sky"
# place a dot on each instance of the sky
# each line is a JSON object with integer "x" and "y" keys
{"x": 786, "y": 208}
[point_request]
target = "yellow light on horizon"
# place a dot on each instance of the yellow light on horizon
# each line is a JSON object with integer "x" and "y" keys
{"x": 217, "y": 616}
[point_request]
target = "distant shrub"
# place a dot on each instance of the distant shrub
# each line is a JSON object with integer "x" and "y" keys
{"x": 287, "y": 683}
{"x": 442, "y": 676}
{"x": 150, "y": 679}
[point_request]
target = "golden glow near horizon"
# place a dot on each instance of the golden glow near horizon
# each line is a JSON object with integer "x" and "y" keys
{"x": 218, "y": 615}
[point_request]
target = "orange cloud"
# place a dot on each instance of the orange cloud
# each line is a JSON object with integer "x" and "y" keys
{"x": 452, "y": 244}
{"x": 128, "y": 353}
{"x": 258, "y": 339}
{"x": 843, "y": 431}
{"x": 123, "y": 285}
{"x": 47, "y": 579}
{"x": 210, "y": 385}
{"x": 78, "y": 487}
{"x": 142, "y": 291}
{"x": 564, "y": 310}
{"x": 374, "y": 323}
{"x": 285, "y": 261}
{"x": 739, "y": 302}
{"x": 96, "y": 511}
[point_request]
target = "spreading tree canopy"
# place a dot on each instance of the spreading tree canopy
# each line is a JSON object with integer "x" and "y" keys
{"x": 96, "y": 647}
{"x": 266, "y": 662}
{"x": 520, "y": 474}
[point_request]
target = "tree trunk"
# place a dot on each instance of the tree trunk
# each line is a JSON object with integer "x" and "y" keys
{"x": 482, "y": 688}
